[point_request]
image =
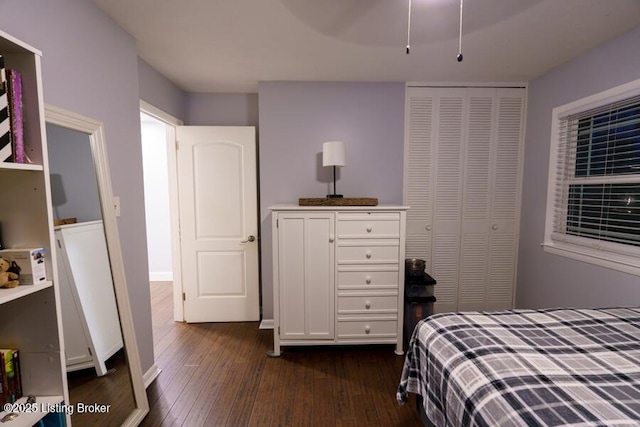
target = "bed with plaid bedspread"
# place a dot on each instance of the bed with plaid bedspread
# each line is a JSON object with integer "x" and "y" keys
{"x": 546, "y": 367}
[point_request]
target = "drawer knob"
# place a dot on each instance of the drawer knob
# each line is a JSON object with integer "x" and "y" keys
{"x": 368, "y": 254}
{"x": 368, "y": 280}
{"x": 367, "y": 305}
{"x": 367, "y": 329}
{"x": 369, "y": 229}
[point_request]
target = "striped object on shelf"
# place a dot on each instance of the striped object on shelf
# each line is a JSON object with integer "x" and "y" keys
{"x": 6, "y": 149}
{"x": 14, "y": 93}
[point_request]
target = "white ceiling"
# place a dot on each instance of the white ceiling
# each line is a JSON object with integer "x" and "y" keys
{"x": 230, "y": 45}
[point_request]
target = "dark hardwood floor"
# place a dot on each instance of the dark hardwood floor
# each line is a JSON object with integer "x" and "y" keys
{"x": 113, "y": 389}
{"x": 218, "y": 374}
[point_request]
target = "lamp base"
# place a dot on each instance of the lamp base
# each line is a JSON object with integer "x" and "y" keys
{"x": 334, "y": 196}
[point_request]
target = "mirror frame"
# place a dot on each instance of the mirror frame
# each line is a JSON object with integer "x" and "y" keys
{"x": 95, "y": 130}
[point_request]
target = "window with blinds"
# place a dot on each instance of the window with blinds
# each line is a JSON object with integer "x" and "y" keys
{"x": 596, "y": 188}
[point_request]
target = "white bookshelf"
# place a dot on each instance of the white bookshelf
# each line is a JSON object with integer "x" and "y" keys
{"x": 30, "y": 318}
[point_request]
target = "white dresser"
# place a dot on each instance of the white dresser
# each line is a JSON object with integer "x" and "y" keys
{"x": 338, "y": 275}
{"x": 89, "y": 311}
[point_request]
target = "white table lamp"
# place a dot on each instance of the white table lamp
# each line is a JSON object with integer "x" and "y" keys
{"x": 334, "y": 154}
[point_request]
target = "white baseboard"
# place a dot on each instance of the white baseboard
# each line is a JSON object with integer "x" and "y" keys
{"x": 267, "y": 324}
{"x": 151, "y": 375}
{"x": 161, "y": 276}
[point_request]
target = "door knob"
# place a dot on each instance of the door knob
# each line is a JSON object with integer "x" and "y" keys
{"x": 249, "y": 239}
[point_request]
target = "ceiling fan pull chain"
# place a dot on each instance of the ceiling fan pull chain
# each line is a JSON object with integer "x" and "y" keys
{"x": 460, "y": 40}
{"x": 409, "y": 28}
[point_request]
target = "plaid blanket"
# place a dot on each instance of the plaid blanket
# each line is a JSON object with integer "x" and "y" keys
{"x": 527, "y": 368}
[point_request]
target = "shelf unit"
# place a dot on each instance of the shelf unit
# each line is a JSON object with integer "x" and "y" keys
{"x": 8, "y": 295}
{"x": 30, "y": 317}
{"x": 20, "y": 166}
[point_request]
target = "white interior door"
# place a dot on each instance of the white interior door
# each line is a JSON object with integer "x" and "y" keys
{"x": 217, "y": 194}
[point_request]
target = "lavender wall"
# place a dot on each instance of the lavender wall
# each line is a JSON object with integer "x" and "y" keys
{"x": 296, "y": 118}
{"x": 546, "y": 280}
{"x": 90, "y": 67}
{"x": 222, "y": 109}
{"x": 158, "y": 91}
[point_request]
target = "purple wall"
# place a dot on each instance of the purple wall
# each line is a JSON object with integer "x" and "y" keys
{"x": 296, "y": 118}
{"x": 90, "y": 66}
{"x": 222, "y": 109}
{"x": 546, "y": 280}
{"x": 158, "y": 91}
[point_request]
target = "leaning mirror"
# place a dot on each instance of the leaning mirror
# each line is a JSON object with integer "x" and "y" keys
{"x": 103, "y": 366}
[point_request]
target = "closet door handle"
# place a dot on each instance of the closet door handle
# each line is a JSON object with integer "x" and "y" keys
{"x": 249, "y": 239}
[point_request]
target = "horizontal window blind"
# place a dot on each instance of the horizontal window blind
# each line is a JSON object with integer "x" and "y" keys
{"x": 597, "y": 191}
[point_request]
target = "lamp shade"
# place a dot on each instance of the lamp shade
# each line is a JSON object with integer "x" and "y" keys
{"x": 334, "y": 153}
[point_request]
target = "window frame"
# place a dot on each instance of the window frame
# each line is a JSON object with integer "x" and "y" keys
{"x": 603, "y": 253}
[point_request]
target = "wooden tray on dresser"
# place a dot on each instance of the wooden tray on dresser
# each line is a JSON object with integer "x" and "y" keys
{"x": 338, "y": 201}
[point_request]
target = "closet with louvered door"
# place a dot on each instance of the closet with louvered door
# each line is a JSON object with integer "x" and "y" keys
{"x": 462, "y": 180}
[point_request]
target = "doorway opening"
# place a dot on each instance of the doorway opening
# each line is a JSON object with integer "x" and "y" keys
{"x": 156, "y": 198}
{"x": 158, "y": 131}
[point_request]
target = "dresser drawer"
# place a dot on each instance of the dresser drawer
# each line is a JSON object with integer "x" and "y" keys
{"x": 367, "y": 304}
{"x": 378, "y": 225}
{"x": 367, "y": 279}
{"x": 363, "y": 254}
{"x": 368, "y": 329}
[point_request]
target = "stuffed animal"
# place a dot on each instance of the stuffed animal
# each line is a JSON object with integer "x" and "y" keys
{"x": 8, "y": 279}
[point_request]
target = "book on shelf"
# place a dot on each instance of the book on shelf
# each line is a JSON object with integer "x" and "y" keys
{"x": 6, "y": 145}
{"x": 14, "y": 92}
{"x": 10, "y": 375}
{"x": 3, "y": 385}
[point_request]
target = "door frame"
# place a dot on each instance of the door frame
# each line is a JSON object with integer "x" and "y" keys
{"x": 174, "y": 213}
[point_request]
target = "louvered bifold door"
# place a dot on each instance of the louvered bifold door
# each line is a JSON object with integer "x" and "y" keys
{"x": 447, "y": 205}
{"x": 505, "y": 198}
{"x": 433, "y": 185}
{"x": 476, "y": 212}
{"x": 418, "y": 177}
{"x": 489, "y": 238}
{"x": 463, "y": 183}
